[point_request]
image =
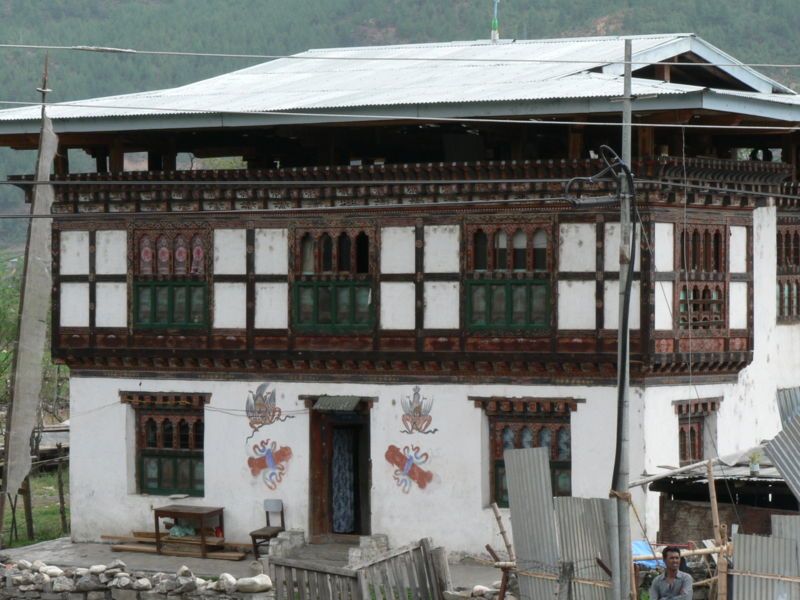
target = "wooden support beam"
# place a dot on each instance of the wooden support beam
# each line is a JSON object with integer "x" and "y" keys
{"x": 575, "y": 142}
{"x": 116, "y": 158}
{"x": 663, "y": 72}
{"x": 646, "y": 146}
{"x": 61, "y": 161}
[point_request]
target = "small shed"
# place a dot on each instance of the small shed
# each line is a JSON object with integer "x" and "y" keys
{"x": 749, "y": 490}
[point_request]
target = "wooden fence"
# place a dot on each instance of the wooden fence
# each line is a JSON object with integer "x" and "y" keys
{"x": 413, "y": 572}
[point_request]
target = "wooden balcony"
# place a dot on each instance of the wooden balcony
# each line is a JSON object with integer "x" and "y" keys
{"x": 714, "y": 182}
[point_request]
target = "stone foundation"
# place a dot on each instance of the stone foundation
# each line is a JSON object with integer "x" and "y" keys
{"x": 36, "y": 580}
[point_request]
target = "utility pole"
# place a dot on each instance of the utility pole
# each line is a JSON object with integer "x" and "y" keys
{"x": 623, "y": 343}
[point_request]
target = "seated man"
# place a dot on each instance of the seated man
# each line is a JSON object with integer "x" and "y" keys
{"x": 672, "y": 584}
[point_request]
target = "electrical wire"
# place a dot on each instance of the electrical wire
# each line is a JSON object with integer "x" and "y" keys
{"x": 415, "y": 59}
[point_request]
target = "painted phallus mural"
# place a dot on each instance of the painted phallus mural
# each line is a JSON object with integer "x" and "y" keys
{"x": 417, "y": 413}
{"x": 408, "y": 470}
{"x": 268, "y": 460}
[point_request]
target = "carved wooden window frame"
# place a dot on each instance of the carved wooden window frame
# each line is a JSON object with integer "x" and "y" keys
{"x": 337, "y": 294}
{"x": 692, "y": 420}
{"x": 171, "y": 287}
{"x": 787, "y": 290}
{"x": 507, "y": 282}
{"x": 702, "y": 288}
{"x": 533, "y": 415}
{"x": 177, "y": 467}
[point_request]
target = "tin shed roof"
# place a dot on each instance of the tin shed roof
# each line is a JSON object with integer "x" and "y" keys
{"x": 405, "y": 78}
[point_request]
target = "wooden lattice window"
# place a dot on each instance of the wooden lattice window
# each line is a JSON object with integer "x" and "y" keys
{"x": 693, "y": 418}
{"x": 702, "y": 248}
{"x": 334, "y": 280}
{"x": 529, "y": 423}
{"x": 509, "y": 283}
{"x": 788, "y": 265}
{"x": 701, "y": 306}
{"x": 170, "y": 436}
{"x": 170, "y": 289}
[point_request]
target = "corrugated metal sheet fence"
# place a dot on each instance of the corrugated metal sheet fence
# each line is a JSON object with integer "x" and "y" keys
{"x": 760, "y": 562}
{"x": 550, "y": 534}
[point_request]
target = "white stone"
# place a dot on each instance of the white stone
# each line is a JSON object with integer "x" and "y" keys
{"x": 272, "y": 251}
{"x": 577, "y": 249}
{"x": 62, "y": 584}
{"x": 142, "y": 584}
{"x": 184, "y": 571}
{"x": 272, "y": 305}
{"x": 738, "y": 249}
{"x": 441, "y": 305}
{"x": 74, "y": 253}
{"x": 23, "y": 564}
{"x": 398, "y": 305}
{"x": 227, "y": 582}
{"x": 74, "y": 310}
{"x": 398, "y": 250}
{"x": 229, "y": 252}
{"x": 111, "y": 253}
{"x": 230, "y": 300}
{"x": 611, "y": 305}
{"x": 97, "y": 569}
{"x": 664, "y": 247}
{"x": 576, "y": 305}
{"x": 480, "y": 591}
{"x": 111, "y": 307}
{"x": 258, "y": 583}
{"x": 442, "y": 249}
{"x": 51, "y": 571}
{"x": 37, "y": 565}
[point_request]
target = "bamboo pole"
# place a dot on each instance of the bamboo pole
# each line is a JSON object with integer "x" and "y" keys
{"x": 722, "y": 567}
{"x": 695, "y": 552}
{"x": 712, "y": 495}
{"x": 503, "y": 534}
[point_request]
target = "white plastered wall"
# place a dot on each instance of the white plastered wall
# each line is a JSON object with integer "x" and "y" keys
{"x": 442, "y": 249}
{"x": 398, "y": 305}
{"x": 229, "y": 252}
{"x": 111, "y": 301}
{"x": 272, "y": 251}
{"x": 74, "y": 309}
{"x": 398, "y": 249}
{"x": 74, "y": 253}
{"x": 111, "y": 255}
{"x": 230, "y": 301}
{"x": 103, "y": 484}
{"x": 272, "y": 305}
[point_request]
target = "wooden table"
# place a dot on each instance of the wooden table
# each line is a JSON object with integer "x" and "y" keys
{"x": 200, "y": 514}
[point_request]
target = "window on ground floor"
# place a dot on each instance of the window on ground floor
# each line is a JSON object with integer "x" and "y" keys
{"x": 529, "y": 423}
{"x": 170, "y": 434}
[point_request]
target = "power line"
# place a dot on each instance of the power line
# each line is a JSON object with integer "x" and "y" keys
{"x": 415, "y": 59}
{"x": 387, "y": 117}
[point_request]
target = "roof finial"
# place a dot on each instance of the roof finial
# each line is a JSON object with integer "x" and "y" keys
{"x": 495, "y": 29}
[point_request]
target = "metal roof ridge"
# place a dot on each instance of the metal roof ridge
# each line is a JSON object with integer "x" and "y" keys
{"x": 505, "y": 41}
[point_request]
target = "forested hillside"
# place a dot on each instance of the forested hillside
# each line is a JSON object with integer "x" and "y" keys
{"x": 751, "y": 31}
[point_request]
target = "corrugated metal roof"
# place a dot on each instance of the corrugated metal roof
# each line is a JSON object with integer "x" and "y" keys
{"x": 386, "y": 76}
{"x": 784, "y": 450}
{"x": 583, "y": 537}
{"x": 337, "y": 403}
{"x": 735, "y": 466}
{"x": 788, "y": 403}
{"x": 786, "y": 526}
{"x": 765, "y": 556}
{"x": 533, "y": 519}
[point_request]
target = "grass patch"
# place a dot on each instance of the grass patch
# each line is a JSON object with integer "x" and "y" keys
{"x": 46, "y": 515}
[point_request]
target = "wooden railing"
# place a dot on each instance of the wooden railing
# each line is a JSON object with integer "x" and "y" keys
{"x": 253, "y": 189}
{"x": 300, "y": 579}
{"x": 413, "y": 572}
